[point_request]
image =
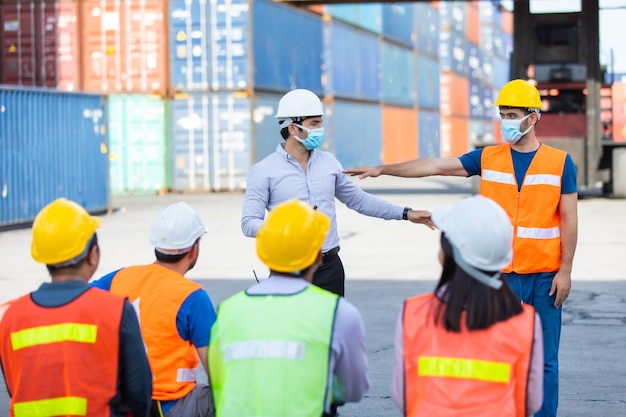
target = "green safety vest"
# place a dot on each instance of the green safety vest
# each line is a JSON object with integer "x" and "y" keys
{"x": 269, "y": 354}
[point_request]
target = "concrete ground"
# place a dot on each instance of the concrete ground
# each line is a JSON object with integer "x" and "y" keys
{"x": 385, "y": 262}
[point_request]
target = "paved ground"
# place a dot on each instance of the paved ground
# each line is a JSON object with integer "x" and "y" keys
{"x": 385, "y": 263}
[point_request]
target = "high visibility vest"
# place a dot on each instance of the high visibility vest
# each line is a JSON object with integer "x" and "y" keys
{"x": 157, "y": 294}
{"x": 478, "y": 373}
{"x": 63, "y": 360}
{"x": 269, "y": 354}
{"x": 534, "y": 210}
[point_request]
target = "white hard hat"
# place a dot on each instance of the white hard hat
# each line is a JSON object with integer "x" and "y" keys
{"x": 299, "y": 103}
{"x": 176, "y": 229}
{"x": 479, "y": 231}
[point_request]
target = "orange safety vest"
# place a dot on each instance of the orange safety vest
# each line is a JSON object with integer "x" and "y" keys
{"x": 534, "y": 210}
{"x": 479, "y": 373}
{"x": 157, "y": 294}
{"x": 62, "y": 360}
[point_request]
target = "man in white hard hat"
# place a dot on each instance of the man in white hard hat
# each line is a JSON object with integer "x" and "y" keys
{"x": 175, "y": 314}
{"x": 299, "y": 169}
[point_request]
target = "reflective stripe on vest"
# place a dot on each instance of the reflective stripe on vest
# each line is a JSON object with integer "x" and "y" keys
{"x": 533, "y": 209}
{"x": 478, "y": 370}
{"x": 267, "y": 349}
{"x": 65, "y": 332}
{"x": 73, "y": 406}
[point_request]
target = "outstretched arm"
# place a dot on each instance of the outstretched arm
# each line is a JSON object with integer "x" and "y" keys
{"x": 417, "y": 168}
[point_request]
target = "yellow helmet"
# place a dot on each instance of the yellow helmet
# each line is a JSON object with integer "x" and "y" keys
{"x": 291, "y": 237}
{"x": 519, "y": 93}
{"x": 61, "y": 233}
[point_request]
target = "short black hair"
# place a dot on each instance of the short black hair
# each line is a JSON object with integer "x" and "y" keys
{"x": 172, "y": 259}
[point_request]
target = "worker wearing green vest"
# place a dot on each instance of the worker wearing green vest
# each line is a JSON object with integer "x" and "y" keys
{"x": 284, "y": 347}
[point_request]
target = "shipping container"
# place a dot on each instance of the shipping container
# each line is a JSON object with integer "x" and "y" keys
{"x": 475, "y": 62}
{"x": 18, "y": 36}
{"x": 619, "y": 112}
{"x": 480, "y": 132}
{"x": 68, "y": 46}
{"x": 427, "y": 83}
{"x": 473, "y": 22}
{"x": 266, "y": 129}
{"x": 497, "y": 134}
{"x": 501, "y": 71}
{"x": 398, "y": 71}
{"x": 399, "y": 127}
{"x": 138, "y": 148}
{"x": 454, "y": 94}
{"x": 282, "y": 65}
{"x": 399, "y": 23}
{"x": 51, "y": 145}
{"x": 490, "y": 14}
{"x": 452, "y": 17}
{"x": 507, "y": 22}
{"x": 429, "y": 134}
{"x": 211, "y": 141}
{"x": 209, "y": 46}
{"x": 353, "y": 59}
{"x": 427, "y": 28}
{"x": 480, "y": 102}
{"x": 124, "y": 46}
{"x": 454, "y": 53}
{"x": 454, "y": 136}
{"x": 365, "y": 16}
{"x": 496, "y": 42}
{"x": 356, "y": 130}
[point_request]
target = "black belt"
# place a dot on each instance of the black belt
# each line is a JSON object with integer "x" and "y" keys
{"x": 331, "y": 254}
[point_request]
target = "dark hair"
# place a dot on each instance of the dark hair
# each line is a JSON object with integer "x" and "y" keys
{"x": 93, "y": 242}
{"x": 172, "y": 259}
{"x": 458, "y": 292}
{"x": 284, "y": 132}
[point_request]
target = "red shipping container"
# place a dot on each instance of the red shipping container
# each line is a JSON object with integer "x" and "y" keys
{"x": 454, "y": 94}
{"x": 124, "y": 46}
{"x": 68, "y": 46}
{"x": 399, "y": 134}
{"x": 18, "y": 34}
{"x": 472, "y": 18}
{"x": 507, "y": 22}
{"x": 454, "y": 136}
{"x": 619, "y": 112}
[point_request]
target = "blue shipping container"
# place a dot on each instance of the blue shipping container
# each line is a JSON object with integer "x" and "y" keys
{"x": 353, "y": 61}
{"x": 489, "y": 13}
{"x": 209, "y": 46}
{"x": 501, "y": 71}
{"x": 287, "y": 48}
{"x": 365, "y": 16}
{"x": 266, "y": 129}
{"x": 429, "y": 130}
{"x": 452, "y": 16}
{"x": 399, "y": 23}
{"x": 211, "y": 146}
{"x": 356, "y": 133}
{"x": 480, "y": 132}
{"x": 427, "y": 28}
{"x": 427, "y": 83}
{"x": 454, "y": 53}
{"x": 477, "y": 109}
{"x": 51, "y": 145}
{"x": 398, "y": 85}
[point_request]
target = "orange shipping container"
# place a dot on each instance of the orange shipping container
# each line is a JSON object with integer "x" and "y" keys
{"x": 497, "y": 133}
{"x": 454, "y": 136}
{"x": 472, "y": 19}
{"x": 454, "y": 91}
{"x": 124, "y": 46}
{"x": 507, "y": 22}
{"x": 399, "y": 134}
{"x": 68, "y": 46}
{"x": 619, "y": 112}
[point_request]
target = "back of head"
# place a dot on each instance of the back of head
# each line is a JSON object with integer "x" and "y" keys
{"x": 62, "y": 232}
{"x": 519, "y": 94}
{"x": 291, "y": 237}
{"x": 176, "y": 229}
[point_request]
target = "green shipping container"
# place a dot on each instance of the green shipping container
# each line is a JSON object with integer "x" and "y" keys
{"x": 138, "y": 147}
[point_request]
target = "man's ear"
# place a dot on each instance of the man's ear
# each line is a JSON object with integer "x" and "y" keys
{"x": 93, "y": 257}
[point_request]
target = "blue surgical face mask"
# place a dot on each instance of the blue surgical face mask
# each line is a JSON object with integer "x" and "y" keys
{"x": 314, "y": 139}
{"x": 511, "y": 129}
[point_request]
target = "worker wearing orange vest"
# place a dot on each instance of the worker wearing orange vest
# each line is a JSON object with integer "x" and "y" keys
{"x": 175, "y": 313}
{"x": 469, "y": 349}
{"x": 536, "y": 185}
{"x": 66, "y": 348}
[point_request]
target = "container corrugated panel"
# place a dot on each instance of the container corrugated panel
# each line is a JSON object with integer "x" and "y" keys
{"x": 473, "y": 22}
{"x": 619, "y": 112}
{"x": 353, "y": 59}
{"x": 68, "y": 58}
{"x": 356, "y": 133}
{"x": 211, "y": 142}
{"x": 507, "y": 22}
{"x": 475, "y": 63}
{"x": 281, "y": 65}
{"x": 497, "y": 134}
{"x": 209, "y": 46}
{"x": 399, "y": 134}
{"x": 489, "y": 13}
{"x": 501, "y": 71}
{"x": 59, "y": 150}
{"x": 365, "y": 16}
{"x": 429, "y": 134}
{"x": 452, "y": 16}
{"x": 480, "y": 102}
{"x": 427, "y": 28}
{"x": 427, "y": 82}
{"x": 124, "y": 46}
{"x": 454, "y": 94}
{"x": 399, "y": 23}
{"x": 398, "y": 66}
{"x": 18, "y": 38}
{"x": 480, "y": 132}
{"x": 454, "y": 53}
{"x": 266, "y": 130}
{"x": 496, "y": 42}
{"x": 454, "y": 136}
{"x": 137, "y": 126}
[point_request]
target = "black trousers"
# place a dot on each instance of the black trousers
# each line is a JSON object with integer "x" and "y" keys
{"x": 331, "y": 275}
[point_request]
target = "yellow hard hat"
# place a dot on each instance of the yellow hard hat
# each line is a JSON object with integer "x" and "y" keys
{"x": 61, "y": 233}
{"x": 291, "y": 237}
{"x": 519, "y": 93}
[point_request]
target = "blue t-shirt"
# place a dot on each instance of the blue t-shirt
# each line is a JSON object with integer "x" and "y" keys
{"x": 471, "y": 161}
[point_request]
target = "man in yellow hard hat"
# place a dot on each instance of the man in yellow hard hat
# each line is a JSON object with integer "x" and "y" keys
{"x": 66, "y": 348}
{"x": 536, "y": 186}
{"x": 284, "y": 347}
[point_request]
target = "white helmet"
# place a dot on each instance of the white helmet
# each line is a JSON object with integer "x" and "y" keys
{"x": 480, "y": 233}
{"x": 176, "y": 229}
{"x": 299, "y": 103}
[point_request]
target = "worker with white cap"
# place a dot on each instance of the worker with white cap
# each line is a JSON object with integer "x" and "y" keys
{"x": 66, "y": 348}
{"x": 300, "y": 169}
{"x": 175, "y": 313}
{"x": 470, "y": 348}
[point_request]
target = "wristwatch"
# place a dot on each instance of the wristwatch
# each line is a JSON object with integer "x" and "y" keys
{"x": 405, "y": 213}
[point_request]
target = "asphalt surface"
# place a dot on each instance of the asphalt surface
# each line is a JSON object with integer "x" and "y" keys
{"x": 385, "y": 262}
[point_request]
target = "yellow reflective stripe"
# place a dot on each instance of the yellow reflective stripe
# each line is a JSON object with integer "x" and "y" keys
{"x": 465, "y": 368}
{"x": 64, "y": 406}
{"x": 65, "y": 332}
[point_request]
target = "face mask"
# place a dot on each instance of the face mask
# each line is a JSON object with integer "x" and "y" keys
{"x": 511, "y": 129}
{"x": 314, "y": 139}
